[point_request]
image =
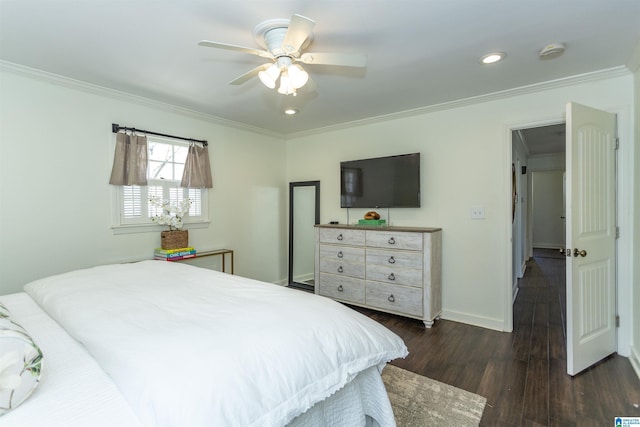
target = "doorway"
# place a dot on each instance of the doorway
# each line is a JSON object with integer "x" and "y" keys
{"x": 538, "y": 162}
{"x": 590, "y": 194}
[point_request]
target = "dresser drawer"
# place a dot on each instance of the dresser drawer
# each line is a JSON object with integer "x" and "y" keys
{"x": 342, "y": 268}
{"x": 342, "y": 253}
{"x": 342, "y": 236}
{"x": 401, "y": 259}
{"x": 394, "y": 298}
{"x": 394, "y": 275}
{"x": 394, "y": 240}
{"x": 342, "y": 288}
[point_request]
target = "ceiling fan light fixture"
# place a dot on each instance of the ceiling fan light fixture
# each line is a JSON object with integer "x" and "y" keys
{"x": 269, "y": 76}
{"x": 286, "y": 85}
{"x": 298, "y": 76}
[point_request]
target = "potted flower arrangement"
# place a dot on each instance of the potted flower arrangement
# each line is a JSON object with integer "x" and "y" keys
{"x": 171, "y": 215}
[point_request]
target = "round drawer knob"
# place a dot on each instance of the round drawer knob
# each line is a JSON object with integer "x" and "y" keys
{"x": 392, "y": 241}
{"x": 392, "y": 260}
{"x": 340, "y": 288}
{"x": 340, "y": 254}
{"x": 392, "y": 276}
{"x": 391, "y": 298}
{"x": 340, "y": 237}
{"x": 340, "y": 269}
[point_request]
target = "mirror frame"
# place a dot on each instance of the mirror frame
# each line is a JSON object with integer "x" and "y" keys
{"x": 292, "y": 187}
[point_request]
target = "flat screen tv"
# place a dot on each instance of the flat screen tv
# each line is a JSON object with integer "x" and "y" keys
{"x": 382, "y": 182}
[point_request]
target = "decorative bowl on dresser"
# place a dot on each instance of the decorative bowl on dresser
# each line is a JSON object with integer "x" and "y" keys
{"x": 392, "y": 269}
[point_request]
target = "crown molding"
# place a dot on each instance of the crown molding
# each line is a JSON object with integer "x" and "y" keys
{"x": 127, "y": 97}
{"x": 522, "y": 90}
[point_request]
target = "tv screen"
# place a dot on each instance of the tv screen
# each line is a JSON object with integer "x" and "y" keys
{"x": 382, "y": 182}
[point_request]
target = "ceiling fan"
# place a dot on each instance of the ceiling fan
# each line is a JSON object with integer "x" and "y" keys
{"x": 283, "y": 42}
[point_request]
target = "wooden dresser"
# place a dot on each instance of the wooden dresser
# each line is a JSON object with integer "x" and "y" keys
{"x": 393, "y": 269}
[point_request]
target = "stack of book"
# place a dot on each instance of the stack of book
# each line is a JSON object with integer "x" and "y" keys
{"x": 174, "y": 254}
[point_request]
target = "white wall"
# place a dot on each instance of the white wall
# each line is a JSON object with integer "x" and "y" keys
{"x": 56, "y": 150}
{"x": 53, "y": 222}
{"x": 466, "y": 161}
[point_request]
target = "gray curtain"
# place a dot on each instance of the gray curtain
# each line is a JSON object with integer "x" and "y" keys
{"x": 197, "y": 170}
{"x": 130, "y": 160}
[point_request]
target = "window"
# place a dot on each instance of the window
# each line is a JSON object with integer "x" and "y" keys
{"x": 166, "y": 159}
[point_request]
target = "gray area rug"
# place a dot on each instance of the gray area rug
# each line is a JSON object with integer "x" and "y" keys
{"x": 419, "y": 401}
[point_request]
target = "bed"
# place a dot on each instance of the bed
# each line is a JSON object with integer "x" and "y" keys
{"x": 167, "y": 344}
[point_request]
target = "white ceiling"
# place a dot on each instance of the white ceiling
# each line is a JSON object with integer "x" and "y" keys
{"x": 420, "y": 53}
{"x": 544, "y": 139}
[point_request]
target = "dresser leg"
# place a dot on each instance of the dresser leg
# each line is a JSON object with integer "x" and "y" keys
{"x": 428, "y": 323}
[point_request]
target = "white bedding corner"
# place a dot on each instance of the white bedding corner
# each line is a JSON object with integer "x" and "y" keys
{"x": 191, "y": 346}
{"x": 73, "y": 391}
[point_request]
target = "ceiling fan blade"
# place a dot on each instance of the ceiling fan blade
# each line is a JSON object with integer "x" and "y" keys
{"x": 339, "y": 59}
{"x": 249, "y": 74}
{"x": 218, "y": 45}
{"x": 299, "y": 29}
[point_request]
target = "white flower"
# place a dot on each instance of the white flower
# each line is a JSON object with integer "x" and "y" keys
{"x": 172, "y": 214}
{"x": 8, "y": 379}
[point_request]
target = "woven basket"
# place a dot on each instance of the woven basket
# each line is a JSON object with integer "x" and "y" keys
{"x": 174, "y": 239}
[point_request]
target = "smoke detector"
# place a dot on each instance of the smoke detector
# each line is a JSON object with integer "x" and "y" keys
{"x": 551, "y": 51}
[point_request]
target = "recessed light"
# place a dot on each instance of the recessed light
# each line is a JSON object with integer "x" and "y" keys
{"x": 290, "y": 111}
{"x": 491, "y": 58}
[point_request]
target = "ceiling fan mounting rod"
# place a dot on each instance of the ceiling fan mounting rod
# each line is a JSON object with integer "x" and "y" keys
{"x": 274, "y": 39}
{"x": 284, "y": 60}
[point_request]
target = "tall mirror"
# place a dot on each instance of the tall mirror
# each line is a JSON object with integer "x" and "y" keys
{"x": 304, "y": 213}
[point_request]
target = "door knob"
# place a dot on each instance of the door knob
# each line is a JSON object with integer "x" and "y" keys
{"x": 577, "y": 252}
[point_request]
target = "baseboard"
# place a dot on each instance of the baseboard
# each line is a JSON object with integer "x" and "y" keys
{"x": 634, "y": 358}
{"x": 471, "y": 319}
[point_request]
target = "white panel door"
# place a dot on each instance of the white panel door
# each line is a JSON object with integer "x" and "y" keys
{"x": 591, "y": 225}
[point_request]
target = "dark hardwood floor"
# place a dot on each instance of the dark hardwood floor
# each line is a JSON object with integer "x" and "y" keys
{"x": 522, "y": 374}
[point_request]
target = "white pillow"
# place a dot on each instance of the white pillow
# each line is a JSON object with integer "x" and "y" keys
{"x": 20, "y": 363}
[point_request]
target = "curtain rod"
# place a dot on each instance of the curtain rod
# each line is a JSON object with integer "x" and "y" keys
{"x": 116, "y": 127}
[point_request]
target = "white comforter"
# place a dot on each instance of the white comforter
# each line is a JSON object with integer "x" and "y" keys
{"x": 190, "y": 346}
